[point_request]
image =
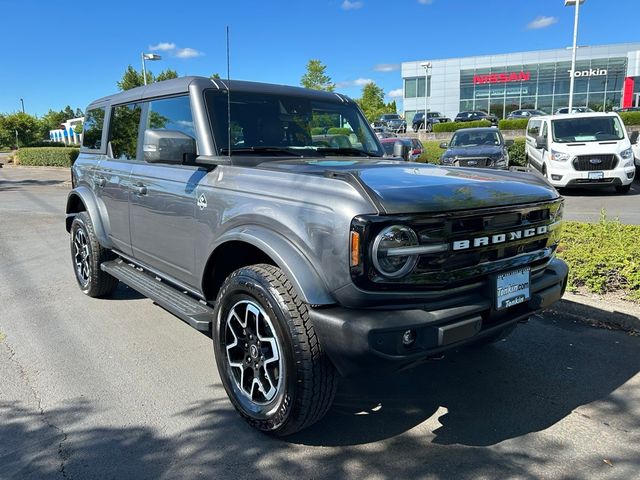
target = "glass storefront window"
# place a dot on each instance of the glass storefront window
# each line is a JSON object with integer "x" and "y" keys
{"x": 410, "y": 88}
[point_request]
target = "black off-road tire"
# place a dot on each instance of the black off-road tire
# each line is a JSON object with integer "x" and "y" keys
{"x": 96, "y": 283}
{"x": 309, "y": 382}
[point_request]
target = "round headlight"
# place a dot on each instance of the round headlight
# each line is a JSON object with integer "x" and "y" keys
{"x": 387, "y": 251}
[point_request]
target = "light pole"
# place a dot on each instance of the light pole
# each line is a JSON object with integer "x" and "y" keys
{"x": 572, "y": 73}
{"x": 22, "y": 102}
{"x": 426, "y": 66}
{"x": 151, "y": 57}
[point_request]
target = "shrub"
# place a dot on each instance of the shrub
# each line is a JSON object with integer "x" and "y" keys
{"x": 517, "y": 156}
{"x": 317, "y": 131}
{"x": 630, "y": 118}
{"x": 513, "y": 124}
{"x": 339, "y": 131}
{"x": 47, "y": 143}
{"x": 453, "y": 126}
{"x": 602, "y": 257}
{"x": 47, "y": 156}
{"x": 432, "y": 152}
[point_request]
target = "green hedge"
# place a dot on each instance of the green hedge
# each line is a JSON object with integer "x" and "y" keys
{"x": 630, "y": 118}
{"x": 602, "y": 257}
{"x": 431, "y": 153}
{"x": 47, "y": 143}
{"x": 514, "y": 124}
{"x": 338, "y": 131}
{"x": 517, "y": 156}
{"x": 453, "y": 126}
{"x": 47, "y": 156}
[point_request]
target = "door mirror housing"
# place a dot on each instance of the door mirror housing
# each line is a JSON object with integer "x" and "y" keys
{"x": 444, "y": 145}
{"x": 508, "y": 143}
{"x": 401, "y": 150}
{"x": 541, "y": 142}
{"x": 634, "y": 137}
{"x": 168, "y": 146}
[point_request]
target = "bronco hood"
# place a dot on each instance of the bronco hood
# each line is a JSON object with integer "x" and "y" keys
{"x": 407, "y": 187}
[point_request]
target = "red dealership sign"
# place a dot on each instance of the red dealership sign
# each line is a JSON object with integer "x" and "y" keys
{"x": 502, "y": 77}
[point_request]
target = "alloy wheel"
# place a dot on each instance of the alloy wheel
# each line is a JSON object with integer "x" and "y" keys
{"x": 82, "y": 255}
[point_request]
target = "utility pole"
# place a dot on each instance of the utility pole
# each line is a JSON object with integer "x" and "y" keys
{"x": 22, "y": 102}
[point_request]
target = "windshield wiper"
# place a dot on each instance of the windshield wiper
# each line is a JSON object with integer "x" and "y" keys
{"x": 346, "y": 151}
{"x": 262, "y": 150}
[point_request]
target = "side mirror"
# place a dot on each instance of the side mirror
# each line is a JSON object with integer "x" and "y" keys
{"x": 508, "y": 143}
{"x": 444, "y": 145}
{"x": 167, "y": 146}
{"x": 633, "y": 138}
{"x": 541, "y": 142}
{"x": 401, "y": 150}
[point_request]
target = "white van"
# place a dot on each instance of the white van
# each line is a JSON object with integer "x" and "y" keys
{"x": 581, "y": 150}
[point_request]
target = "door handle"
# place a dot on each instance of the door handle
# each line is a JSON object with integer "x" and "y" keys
{"x": 140, "y": 189}
{"x": 101, "y": 182}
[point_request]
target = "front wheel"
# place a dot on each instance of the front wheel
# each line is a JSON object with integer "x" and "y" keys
{"x": 271, "y": 363}
{"x": 623, "y": 188}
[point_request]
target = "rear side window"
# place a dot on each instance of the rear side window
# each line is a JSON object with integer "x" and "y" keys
{"x": 171, "y": 114}
{"x": 92, "y": 131}
{"x": 533, "y": 130}
{"x": 123, "y": 134}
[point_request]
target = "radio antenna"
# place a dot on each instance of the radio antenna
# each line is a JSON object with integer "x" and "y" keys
{"x": 228, "y": 100}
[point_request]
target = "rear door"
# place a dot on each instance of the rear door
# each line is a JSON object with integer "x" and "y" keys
{"x": 163, "y": 194}
{"x": 113, "y": 174}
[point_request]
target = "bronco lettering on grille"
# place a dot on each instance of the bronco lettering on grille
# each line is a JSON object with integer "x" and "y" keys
{"x": 499, "y": 238}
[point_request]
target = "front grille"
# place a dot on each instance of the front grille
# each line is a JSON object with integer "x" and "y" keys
{"x": 472, "y": 162}
{"x": 470, "y": 266}
{"x": 584, "y": 163}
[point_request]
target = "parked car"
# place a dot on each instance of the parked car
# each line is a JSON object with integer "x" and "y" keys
{"x": 634, "y": 138}
{"x": 476, "y": 147}
{"x": 414, "y": 147}
{"x": 302, "y": 261}
{"x": 525, "y": 113}
{"x": 581, "y": 150}
{"x": 383, "y": 132}
{"x": 397, "y": 125}
{"x": 565, "y": 110}
{"x": 432, "y": 118}
{"x": 476, "y": 115}
{"x": 383, "y": 120}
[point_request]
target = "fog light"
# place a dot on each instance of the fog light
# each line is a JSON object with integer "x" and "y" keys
{"x": 556, "y": 177}
{"x": 409, "y": 338}
{"x": 630, "y": 175}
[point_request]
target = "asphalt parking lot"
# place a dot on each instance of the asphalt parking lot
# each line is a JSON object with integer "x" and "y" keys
{"x": 119, "y": 388}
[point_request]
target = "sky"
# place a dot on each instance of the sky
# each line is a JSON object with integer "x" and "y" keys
{"x": 54, "y": 54}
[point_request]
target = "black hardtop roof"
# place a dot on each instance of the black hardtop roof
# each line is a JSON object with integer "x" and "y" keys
{"x": 182, "y": 85}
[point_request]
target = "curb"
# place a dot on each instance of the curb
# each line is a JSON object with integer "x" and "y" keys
{"x": 621, "y": 315}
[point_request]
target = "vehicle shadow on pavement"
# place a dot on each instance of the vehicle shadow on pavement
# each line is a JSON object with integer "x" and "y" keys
{"x": 6, "y": 185}
{"x": 485, "y": 395}
{"x": 600, "y": 192}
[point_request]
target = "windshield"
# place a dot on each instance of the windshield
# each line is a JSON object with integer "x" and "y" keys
{"x": 262, "y": 122}
{"x": 473, "y": 139}
{"x": 586, "y": 129}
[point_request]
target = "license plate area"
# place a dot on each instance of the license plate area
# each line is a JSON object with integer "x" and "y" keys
{"x": 596, "y": 175}
{"x": 512, "y": 288}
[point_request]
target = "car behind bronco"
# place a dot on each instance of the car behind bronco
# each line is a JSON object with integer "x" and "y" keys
{"x": 305, "y": 258}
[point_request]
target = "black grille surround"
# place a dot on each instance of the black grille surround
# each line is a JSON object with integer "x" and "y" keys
{"x": 584, "y": 163}
{"x": 455, "y": 271}
{"x": 472, "y": 161}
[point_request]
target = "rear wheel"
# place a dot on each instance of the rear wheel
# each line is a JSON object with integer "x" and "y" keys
{"x": 271, "y": 363}
{"x": 623, "y": 188}
{"x": 87, "y": 254}
{"x": 429, "y": 128}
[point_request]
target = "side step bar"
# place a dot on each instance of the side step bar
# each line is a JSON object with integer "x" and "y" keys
{"x": 195, "y": 313}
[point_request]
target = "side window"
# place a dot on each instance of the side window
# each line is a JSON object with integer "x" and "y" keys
{"x": 534, "y": 128}
{"x": 544, "y": 130}
{"x": 172, "y": 114}
{"x": 93, "y": 125}
{"x": 123, "y": 134}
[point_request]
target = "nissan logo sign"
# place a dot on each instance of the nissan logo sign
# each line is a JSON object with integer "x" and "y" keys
{"x": 595, "y": 161}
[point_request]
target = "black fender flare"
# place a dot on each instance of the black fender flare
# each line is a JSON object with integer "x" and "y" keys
{"x": 86, "y": 196}
{"x": 304, "y": 277}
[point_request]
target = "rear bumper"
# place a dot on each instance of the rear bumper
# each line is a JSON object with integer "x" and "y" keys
{"x": 368, "y": 339}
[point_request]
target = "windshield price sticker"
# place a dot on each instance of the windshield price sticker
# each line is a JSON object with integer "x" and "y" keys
{"x": 512, "y": 288}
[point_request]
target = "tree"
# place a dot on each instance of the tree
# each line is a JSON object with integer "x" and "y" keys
{"x": 392, "y": 107}
{"x": 214, "y": 76}
{"x": 68, "y": 113}
{"x": 316, "y": 78}
{"x": 27, "y": 128}
{"x": 372, "y": 101}
{"x": 132, "y": 79}
{"x": 167, "y": 74}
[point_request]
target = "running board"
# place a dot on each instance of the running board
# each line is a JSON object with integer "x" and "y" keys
{"x": 195, "y": 313}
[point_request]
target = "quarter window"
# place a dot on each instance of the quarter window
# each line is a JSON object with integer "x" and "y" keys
{"x": 534, "y": 128}
{"x": 92, "y": 131}
{"x": 123, "y": 134}
{"x": 171, "y": 114}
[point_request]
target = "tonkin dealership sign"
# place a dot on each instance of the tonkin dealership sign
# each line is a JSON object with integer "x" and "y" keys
{"x": 592, "y": 72}
{"x": 502, "y": 77}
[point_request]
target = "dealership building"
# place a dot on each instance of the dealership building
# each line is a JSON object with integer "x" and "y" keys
{"x": 606, "y": 77}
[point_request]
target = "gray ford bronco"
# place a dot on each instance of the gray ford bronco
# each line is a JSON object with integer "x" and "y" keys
{"x": 233, "y": 206}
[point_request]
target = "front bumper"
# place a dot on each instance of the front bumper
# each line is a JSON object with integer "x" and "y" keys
{"x": 371, "y": 339}
{"x": 575, "y": 178}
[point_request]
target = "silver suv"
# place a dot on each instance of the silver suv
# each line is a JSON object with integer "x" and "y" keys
{"x": 267, "y": 216}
